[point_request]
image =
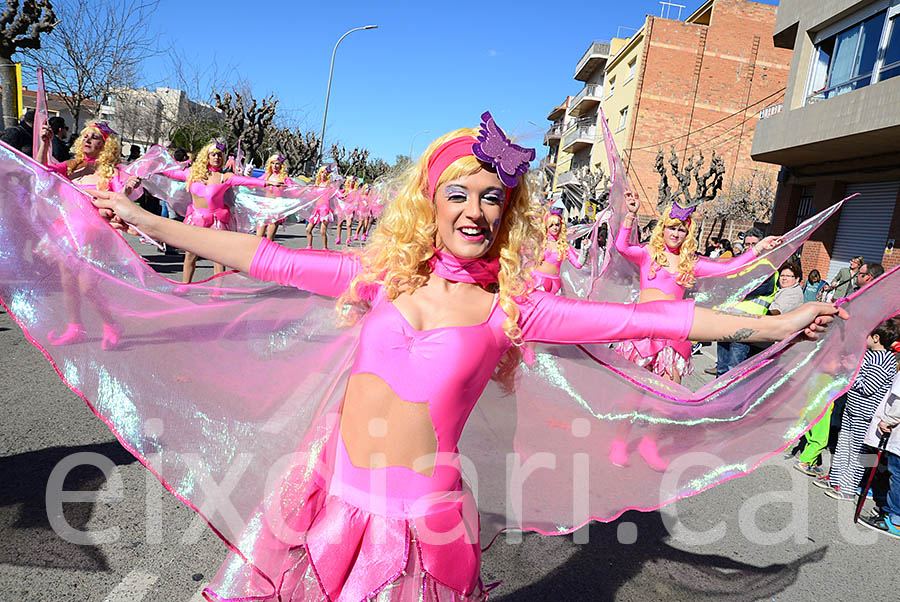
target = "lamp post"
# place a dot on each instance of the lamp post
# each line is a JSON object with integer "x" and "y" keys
{"x": 413, "y": 140}
{"x": 328, "y": 92}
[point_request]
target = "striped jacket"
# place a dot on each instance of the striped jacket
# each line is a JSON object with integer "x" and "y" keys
{"x": 872, "y": 383}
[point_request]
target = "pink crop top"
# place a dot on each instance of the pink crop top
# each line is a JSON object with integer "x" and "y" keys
{"x": 551, "y": 255}
{"x": 664, "y": 280}
{"x": 465, "y": 357}
{"x": 117, "y": 184}
{"x": 213, "y": 193}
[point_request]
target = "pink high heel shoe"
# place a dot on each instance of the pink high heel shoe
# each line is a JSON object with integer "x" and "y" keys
{"x": 364, "y": 237}
{"x": 74, "y": 333}
{"x": 337, "y": 241}
{"x": 356, "y": 237}
{"x": 110, "y": 337}
{"x": 650, "y": 453}
{"x": 618, "y": 453}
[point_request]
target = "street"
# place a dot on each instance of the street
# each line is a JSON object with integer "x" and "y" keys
{"x": 767, "y": 536}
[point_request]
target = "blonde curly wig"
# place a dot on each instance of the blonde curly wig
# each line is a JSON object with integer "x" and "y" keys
{"x": 200, "y": 166}
{"x": 323, "y": 176}
{"x": 399, "y": 249}
{"x": 687, "y": 254}
{"x": 562, "y": 242}
{"x": 105, "y": 166}
{"x": 281, "y": 175}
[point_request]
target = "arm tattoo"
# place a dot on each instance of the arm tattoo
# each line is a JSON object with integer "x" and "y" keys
{"x": 723, "y": 312}
{"x": 739, "y": 335}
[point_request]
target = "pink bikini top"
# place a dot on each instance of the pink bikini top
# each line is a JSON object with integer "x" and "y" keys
{"x": 551, "y": 254}
{"x": 664, "y": 280}
{"x": 213, "y": 193}
{"x": 117, "y": 184}
{"x": 449, "y": 367}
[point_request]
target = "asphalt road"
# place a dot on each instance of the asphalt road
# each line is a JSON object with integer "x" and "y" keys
{"x": 767, "y": 536}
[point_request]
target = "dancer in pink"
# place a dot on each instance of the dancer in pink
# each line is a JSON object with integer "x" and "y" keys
{"x": 440, "y": 296}
{"x": 556, "y": 250}
{"x": 208, "y": 186}
{"x": 348, "y": 201}
{"x": 322, "y": 214}
{"x": 94, "y": 167}
{"x": 275, "y": 175}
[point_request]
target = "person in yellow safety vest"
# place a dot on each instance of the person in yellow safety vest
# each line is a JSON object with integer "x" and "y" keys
{"x": 729, "y": 355}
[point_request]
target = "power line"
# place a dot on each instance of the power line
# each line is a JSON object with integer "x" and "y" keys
{"x": 709, "y": 125}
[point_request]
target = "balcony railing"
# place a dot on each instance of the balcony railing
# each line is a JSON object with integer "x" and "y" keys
{"x": 555, "y": 131}
{"x": 579, "y": 136}
{"x": 848, "y": 86}
{"x": 591, "y": 93}
{"x": 596, "y": 51}
{"x": 565, "y": 178}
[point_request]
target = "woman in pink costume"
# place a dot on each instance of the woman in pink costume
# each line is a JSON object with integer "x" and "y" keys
{"x": 208, "y": 185}
{"x": 94, "y": 167}
{"x": 275, "y": 175}
{"x": 669, "y": 265}
{"x": 365, "y": 214}
{"x": 441, "y": 295}
{"x": 322, "y": 214}
{"x": 348, "y": 200}
{"x": 556, "y": 250}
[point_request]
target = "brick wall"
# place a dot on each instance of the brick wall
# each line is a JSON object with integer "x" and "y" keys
{"x": 694, "y": 76}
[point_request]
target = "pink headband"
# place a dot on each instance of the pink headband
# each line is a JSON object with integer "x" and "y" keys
{"x": 444, "y": 156}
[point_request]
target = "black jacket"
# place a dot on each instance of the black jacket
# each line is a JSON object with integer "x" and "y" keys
{"x": 19, "y": 137}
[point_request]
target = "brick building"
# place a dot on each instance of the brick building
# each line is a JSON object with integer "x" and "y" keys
{"x": 838, "y": 132}
{"x": 696, "y": 84}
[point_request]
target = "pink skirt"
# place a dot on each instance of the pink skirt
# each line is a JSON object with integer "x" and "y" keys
{"x": 660, "y": 356}
{"x": 321, "y": 214}
{"x": 218, "y": 219}
{"x": 546, "y": 282}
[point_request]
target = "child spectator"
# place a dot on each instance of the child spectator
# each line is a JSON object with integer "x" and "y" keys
{"x": 812, "y": 286}
{"x": 887, "y": 518}
{"x": 873, "y": 382}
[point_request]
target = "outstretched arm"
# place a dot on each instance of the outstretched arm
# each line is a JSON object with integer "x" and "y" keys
{"x": 236, "y": 180}
{"x": 573, "y": 258}
{"x": 710, "y": 267}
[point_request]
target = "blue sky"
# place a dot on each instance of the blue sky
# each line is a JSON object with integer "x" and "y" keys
{"x": 429, "y": 65}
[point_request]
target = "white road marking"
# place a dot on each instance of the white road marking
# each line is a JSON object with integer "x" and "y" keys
{"x": 133, "y": 587}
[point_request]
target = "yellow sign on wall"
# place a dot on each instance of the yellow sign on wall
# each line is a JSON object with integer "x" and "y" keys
{"x": 20, "y": 111}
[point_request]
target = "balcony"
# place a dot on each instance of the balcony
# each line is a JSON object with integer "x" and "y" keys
{"x": 565, "y": 178}
{"x": 595, "y": 58}
{"x": 557, "y": 113}
{"x": 586, "y": 100}
{"x": 579, "y": 136}
{"x": 554, "y": 134}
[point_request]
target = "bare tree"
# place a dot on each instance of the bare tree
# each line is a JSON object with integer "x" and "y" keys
{"x": 246, "y": 120}
{"x": 707, "y": 184}
{"x": 587, "y": 187}
{"x": 748, "y": 199}
{"x": 299, "y": 148}
{"x": 350, "y": 163}
{"x": 97, "y": 46}
{"x": 20, "y": 30}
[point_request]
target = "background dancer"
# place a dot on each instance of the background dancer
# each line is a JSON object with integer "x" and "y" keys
{"x": 94, "y": 167}
{"x": 208, "y": 185}
{"x": 556, "y": 250}
{"x": 348, "y": 201}
{"x": 322, "y": 214}
{"x": 445, "y": 287}
{"x": 275, "y": 175}
{"x": 364, "y": 208}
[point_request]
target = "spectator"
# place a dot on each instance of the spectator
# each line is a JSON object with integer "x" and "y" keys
{"x": 813, "y": 286}
{"x": 867, "y": 272}
{"x": 180, "y": 155}
{"x": 879, "y": 366}
{"x": 729, "y": 355}
{"x": 886, "y": 519}
{"x": 59, "y": 149}
{"x": 20, "y": 136}
{"x": 134, "y": 153}
{"x": 843, "y": 282}
{"x": 738, "y": 247}
{"x": 790, "y": 294}
{"x": 713, "y": 249}
{"x": 726, "y": 252}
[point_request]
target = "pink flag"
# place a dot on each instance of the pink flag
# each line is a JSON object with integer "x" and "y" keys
{"x": 41, "y": 115}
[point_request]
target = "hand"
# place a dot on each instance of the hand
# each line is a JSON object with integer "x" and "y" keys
{"x": 46, "y": 133}
{"x": 812, "y": 318}
{"x": 118, "y": 210}
{"x": 632, "y": 203}
{"x": 884, "y": 427}
{"x": 767, "y": 244}
{"x": 131, "y": 184}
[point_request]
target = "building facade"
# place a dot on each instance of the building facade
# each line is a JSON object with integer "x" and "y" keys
{"x": 838, "y": 131}
{"x": 692, "y": 85}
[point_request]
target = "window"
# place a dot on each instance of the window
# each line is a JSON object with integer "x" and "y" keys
{"x": 612, "y": 86}
{"x": 623, "y": 119}
{"x": 864, "y": 53}
{"x": 632, "y": 67}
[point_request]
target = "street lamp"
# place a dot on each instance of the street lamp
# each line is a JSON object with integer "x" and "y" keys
{"x": 413, "y": 140}
{"x": 328, "y": 92}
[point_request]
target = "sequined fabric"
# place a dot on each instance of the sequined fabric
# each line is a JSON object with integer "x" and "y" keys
{"x": 664, "y": 361}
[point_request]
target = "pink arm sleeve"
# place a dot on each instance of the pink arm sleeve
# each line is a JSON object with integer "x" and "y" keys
{"x": 633, "y": 253}
{"x": 60, "y": 168}
{"x": 550, "y": 318}
{"x": 117, "y": 184}
{"x": 708, "y": 267}
{"x": 236, "y": 180}
{"x": 327, "y": 273}
{"x": 573, "y": 258}
{"x": 177, "y": 174}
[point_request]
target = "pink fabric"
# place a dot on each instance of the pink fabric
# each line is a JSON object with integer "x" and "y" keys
{"x": 217, "y": 219}
{"x": 551, "y": 256}
{"x": 664, "y": 280}
{"x": 546, "y": 282}
{"x": 214, "y": 194}
{"x": 661, "y": 356}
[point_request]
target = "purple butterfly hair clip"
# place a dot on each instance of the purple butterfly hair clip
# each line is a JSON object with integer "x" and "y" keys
{"x": 105, "y": 129}
{"x": 556, "y": 211}
{"x": 280, "y": 158}
{"x": 219, "y": 145}
{"x": 681, "y": 213}
{"x": 510, "y": 160}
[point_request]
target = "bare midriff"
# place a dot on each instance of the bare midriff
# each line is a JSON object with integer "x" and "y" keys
{"x": 380, "y": 429}
{"x": 654, "y": 294}
{"x": 548, "y": 268}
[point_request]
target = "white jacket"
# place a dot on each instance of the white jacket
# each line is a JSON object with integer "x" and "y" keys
{"x": 888, "y": 411}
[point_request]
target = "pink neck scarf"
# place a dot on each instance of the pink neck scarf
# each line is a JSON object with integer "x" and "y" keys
{"x": 474, "y": 271}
